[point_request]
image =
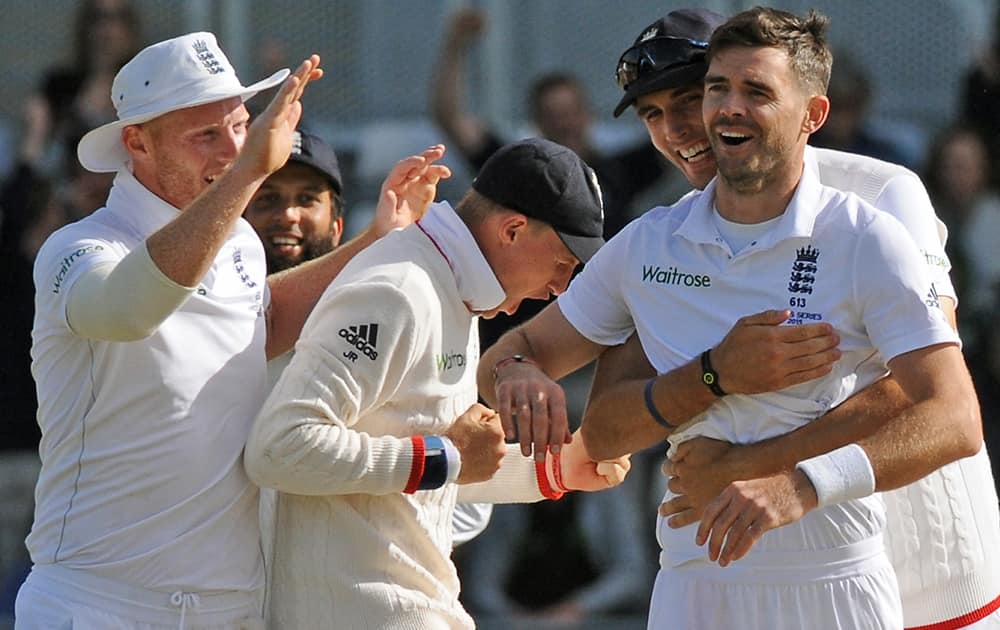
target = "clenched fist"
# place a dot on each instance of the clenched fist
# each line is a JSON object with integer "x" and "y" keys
{"x": 478, "y": 436}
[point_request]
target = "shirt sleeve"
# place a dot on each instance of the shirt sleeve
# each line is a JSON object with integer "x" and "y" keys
{"x": 304, "y": 440}
{"x": 894, "y": 293}
{"x": 905, "y": 198}
{"x": 594, "y": 303}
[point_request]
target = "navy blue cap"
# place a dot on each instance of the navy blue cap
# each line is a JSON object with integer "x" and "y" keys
{"x": 548, "y": 182}
{"x": 313, "y": 151}
{"x": 689, "y": 65}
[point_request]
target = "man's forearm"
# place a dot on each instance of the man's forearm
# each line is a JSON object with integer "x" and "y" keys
{"x": 619, "y": 421}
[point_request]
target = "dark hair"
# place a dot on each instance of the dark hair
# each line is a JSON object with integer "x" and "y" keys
{"x": 803, "y": 39}
{"x": 545, "y": 84}
{"x": 336, "y": 204}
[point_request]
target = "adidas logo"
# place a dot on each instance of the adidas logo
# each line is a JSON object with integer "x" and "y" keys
{"x": 364, "y": 337}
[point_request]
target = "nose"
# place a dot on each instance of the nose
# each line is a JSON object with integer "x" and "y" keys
{"x": 230, "y": 144}
{"x": 290, "y": 213}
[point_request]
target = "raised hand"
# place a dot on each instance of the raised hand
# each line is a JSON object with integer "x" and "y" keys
{"x": 409, "y": 189}
{"x": 479, "y": 439}
{"x": 269, "y": 139}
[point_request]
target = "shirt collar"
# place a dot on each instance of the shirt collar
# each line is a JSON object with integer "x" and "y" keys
{"x": 477, "y": 284}
{"x": 797, "y": 220}
{"x": 134, "y": 205}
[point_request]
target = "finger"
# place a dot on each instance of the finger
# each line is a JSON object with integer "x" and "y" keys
{"x": 683, "y": 519}
{"x": 665, "y": 468}
{"x": 433, "y": 152}
{"x": 540, "y": 424}
{"x": 558, "y": 422}
{"x": 310, "y": 72}
{"x": 675, "y": 485}
{"x": 438, "y": 171}
{"x": 741, "y": 547}
{"x": 803, "y": 332}
{"x": 507, "y": 418}
{"x": 522, "y": 415}
{"x": 804, "y": 376}
{"x": 721, "y": 529}
{"x": 710, "y": 514}
{"x": 674, "y": 506}
{"x": 766, "y": 318}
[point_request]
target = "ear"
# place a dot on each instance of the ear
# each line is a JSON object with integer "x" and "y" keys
{"x": 511, "y": 227}
{"x": 337, "y": 230}
{"x": 817, "y": 112}
{"x": 137, "y": 142}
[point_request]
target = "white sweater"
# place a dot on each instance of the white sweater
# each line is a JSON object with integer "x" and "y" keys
{"x": 389, "y": 351}
{"x": 943, "y": 533}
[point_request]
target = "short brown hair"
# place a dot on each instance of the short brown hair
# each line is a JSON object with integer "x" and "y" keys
{"x": 803, "y": 39}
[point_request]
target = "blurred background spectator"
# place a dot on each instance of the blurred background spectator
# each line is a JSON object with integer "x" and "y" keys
{"x": 850, "y": 126}
{"x": 46, "y": 189}
{"x": 929, "y": 65}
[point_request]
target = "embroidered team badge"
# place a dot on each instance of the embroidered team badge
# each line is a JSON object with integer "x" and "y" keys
{"x": 207, "y": 57}
{"x": 804, "y": 270}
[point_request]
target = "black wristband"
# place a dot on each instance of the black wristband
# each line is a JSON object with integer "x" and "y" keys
{"x": 435, "y": 464}
{"x": 709, "y": 376}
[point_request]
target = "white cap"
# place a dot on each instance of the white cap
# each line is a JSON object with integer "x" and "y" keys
{"x": 174, "y": 74}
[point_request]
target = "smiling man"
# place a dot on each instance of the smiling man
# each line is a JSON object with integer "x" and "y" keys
{"x": 298, "y": 211}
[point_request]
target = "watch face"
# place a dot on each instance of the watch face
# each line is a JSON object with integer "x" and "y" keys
{"x": 708, "y": 378}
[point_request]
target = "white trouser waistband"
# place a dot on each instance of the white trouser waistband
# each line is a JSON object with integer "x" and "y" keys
{"x": 208, "y": 607}
{"x": 776, "y": 567}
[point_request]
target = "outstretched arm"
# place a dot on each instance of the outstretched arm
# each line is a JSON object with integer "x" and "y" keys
{"x": 756, "y": 355}
{"x": 531, "y": 404}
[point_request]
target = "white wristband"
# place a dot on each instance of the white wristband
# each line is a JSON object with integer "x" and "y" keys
{"x": 840, "y": 475}
{"x": 454, "y": 459}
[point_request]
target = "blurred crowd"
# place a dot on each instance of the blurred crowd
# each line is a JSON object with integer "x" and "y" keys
{"x": 518, "y": 566}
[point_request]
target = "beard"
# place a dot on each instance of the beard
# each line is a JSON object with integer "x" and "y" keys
{"x": 313, "y": 247}
{"x": 753, "y": 174}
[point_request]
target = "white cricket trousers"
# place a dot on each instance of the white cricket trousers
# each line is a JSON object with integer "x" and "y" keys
{"x": 818, "y": 590}
{"x": 57, "y": 598}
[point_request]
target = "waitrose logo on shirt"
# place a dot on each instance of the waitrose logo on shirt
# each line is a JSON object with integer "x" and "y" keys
{"x": 673, "y": 275}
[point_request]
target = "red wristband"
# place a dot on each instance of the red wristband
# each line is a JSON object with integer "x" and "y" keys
{"x": 417, "y": 467}
{"x": 557, "y": 473}
{"x": 542, "y": 475}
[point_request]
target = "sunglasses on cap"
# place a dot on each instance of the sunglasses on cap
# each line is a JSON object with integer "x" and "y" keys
{"x": 655, "y": 55}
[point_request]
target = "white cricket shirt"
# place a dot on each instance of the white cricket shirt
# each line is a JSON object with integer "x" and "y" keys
{"x": 670, "y": 276}
{"x": 142, "y": 477}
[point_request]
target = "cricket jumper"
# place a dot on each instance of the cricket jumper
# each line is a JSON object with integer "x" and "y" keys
{"x": 943, "y": 530}
{"x": 390, "y": 351}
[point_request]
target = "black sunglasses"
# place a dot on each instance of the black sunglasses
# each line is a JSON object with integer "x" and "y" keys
{"x": 655, "y": 55}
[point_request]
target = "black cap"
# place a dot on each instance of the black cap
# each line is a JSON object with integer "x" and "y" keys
{"x": 695, "y": 25}
{"x": 315, "y": 152}
{"x": 548, "y": 182}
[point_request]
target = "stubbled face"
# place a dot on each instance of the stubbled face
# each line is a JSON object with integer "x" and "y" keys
{"x": 188, "y": 149}
{"x": 537, "y": 266}
{"x": 676, "y": 128}
{"x": 293, "y": 214}
{"x": 754, "y": 110}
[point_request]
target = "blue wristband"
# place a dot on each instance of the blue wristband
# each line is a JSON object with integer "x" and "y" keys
{"x": 435, "y": 464}
{"x": 651, "y": 407}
